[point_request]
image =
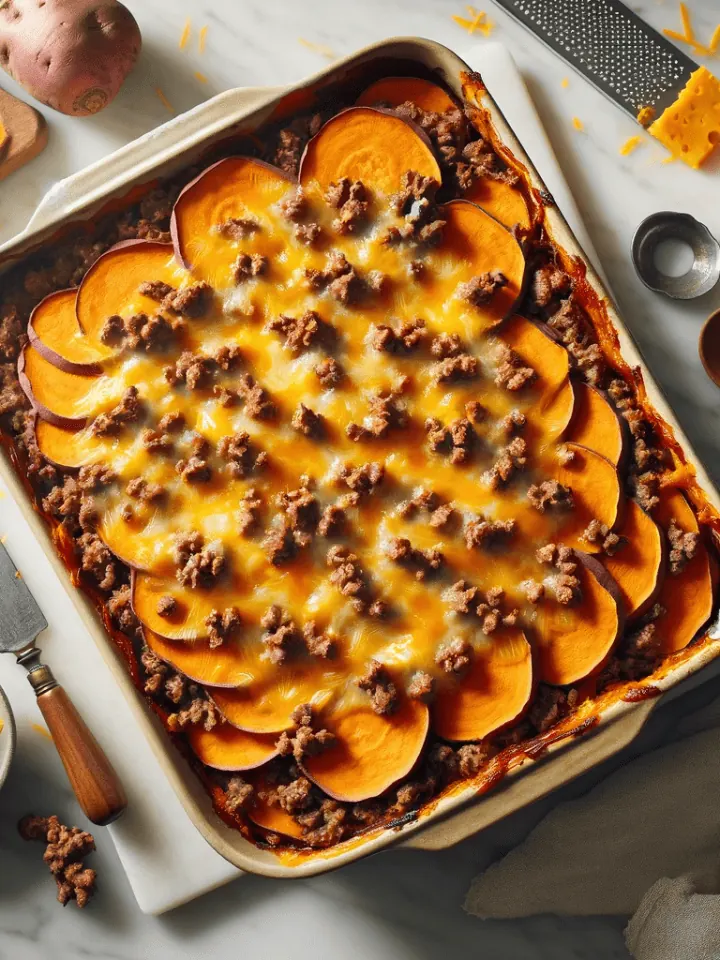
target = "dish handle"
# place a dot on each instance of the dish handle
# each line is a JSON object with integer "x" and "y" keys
{"x": 535, "y": 780}
{"x": 159, "y": 144}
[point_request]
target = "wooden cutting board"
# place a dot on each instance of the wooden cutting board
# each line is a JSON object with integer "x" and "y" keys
{"x": 23, "y": 134}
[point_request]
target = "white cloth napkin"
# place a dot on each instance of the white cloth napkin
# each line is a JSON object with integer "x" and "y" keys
{"x": 646, "y": 841}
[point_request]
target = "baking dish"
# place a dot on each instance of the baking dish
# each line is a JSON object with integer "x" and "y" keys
{"x": 609, "y": 725}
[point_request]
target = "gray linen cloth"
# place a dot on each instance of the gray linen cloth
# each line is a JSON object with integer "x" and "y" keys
{"x": 644, "y": 841}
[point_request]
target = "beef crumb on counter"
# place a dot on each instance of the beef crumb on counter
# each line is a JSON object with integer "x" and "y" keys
{"x": 65, "y": 851}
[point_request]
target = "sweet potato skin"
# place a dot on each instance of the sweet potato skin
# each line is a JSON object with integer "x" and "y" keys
{"x": 72, "y": 55}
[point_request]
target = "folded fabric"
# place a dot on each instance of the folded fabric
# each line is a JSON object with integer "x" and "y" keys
{"x": 656, "y": 817}
{"x": 673, "y": 922}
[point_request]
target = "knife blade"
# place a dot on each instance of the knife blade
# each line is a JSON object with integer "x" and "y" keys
{"x": 96, "y": 785}
{"x": 21, "y": 619}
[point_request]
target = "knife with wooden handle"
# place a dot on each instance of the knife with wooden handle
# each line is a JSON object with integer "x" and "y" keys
{"x": 96, "y": 785}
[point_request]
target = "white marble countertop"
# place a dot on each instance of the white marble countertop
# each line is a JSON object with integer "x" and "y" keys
{"x": 399, "y": 904}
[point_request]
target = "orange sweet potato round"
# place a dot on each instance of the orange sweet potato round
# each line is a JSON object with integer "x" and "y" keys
{"x": 72, "y": 55}
{"x": 372, "y": 753}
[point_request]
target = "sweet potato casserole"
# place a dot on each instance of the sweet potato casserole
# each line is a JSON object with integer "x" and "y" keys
{"x": 338, "y": 440}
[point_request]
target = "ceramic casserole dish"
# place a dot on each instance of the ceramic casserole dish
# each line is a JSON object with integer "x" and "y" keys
{"x": 603, "y": 725}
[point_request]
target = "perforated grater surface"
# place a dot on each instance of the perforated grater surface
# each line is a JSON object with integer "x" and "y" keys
{"x": 606, "y": 42}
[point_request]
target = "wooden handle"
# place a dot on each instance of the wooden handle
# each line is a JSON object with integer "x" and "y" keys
{"x": 96, "y": 785}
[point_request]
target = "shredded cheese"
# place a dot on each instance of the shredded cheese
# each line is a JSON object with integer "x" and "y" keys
{"x": 477, "y": 21}
{"x": 714, "y": 40}
{"x": 43, "y": 731}
{"x": 200, "y": 76}
{"x": 578, "y": 124}
{"x": 565, "y": 83}
{"x": 690, "y": 127}
{"x": 318, "y": 48}
{"x": 164, "y": 100}
{"x": 202, "y": 38}
{"x": 632, "y": 143}
{"x": 645, "y": 116}
{"x": 185, "y": 36}
{"x": 687, "y": 25}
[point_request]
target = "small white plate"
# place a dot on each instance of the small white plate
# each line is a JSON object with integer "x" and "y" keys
{"x": 7, "y": 737}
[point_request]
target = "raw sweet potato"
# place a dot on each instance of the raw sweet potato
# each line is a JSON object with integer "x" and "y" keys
{"x": 72, "y": 55}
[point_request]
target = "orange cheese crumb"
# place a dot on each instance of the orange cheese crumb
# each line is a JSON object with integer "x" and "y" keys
{"x": 200, "y": 76}
{"x": 714, "y": 40}
{"x": 318, "y": 48}
{"x": 185, "y": 36}
{"x": 164, "y": 100}
{"x": 632, "y": 143}
{"x": 18, "y": 575}
{"x": 565, "y": 83}
{"x": 43, "y": 731}
{"x": 477, "y": 21}
{"x": 578, "y": 124}
{"x": 202, "y": 38}
{"x": 681, "y": 38}
{"x": 687, "y": 25}
{"x": 690, "y": 127}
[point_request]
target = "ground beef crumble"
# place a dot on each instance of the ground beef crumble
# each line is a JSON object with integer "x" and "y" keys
{"x": 550, "y": 495}
{"x": 683, "y": 547}
{"x": 65, "y": 851}
{"x": 383, "y": 693}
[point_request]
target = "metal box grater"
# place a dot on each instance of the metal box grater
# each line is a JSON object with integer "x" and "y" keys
{"x": 613, "y": 47}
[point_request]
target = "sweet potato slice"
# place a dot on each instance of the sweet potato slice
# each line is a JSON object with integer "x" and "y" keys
{"x": 552, "y": 392}
{"x": 63, "y": 447}
{"x": 270, "y": 816}
{"x": 59, "y": 397}
{"x": 638, "y": 568}
{"x": 596, "y": 495}
{"x": 192, "y": 606}
{"x": 596, "y": 425}
{"x": 686, "y": 597}
{"x": 502, "y": 200}
{"x": 112, "y": 285}
{"x": 493, "y": 694}
{"x": 227, "y": 748}
{"x": 372, "y": 753}
{"x": 267, "y": 707}
{"x": 54, "y": 332}
{"x": 237, "y": 187}
{"x": 476, "y": 244}
{"x": 374, "y": 146}
{"x": 577, "y": 640}
{"x": 392, "y": 91}
{"x": 225, "y": 666}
